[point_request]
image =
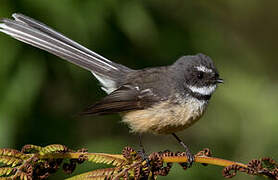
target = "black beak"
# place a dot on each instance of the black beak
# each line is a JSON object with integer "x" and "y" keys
{"x": 220, "y": 80}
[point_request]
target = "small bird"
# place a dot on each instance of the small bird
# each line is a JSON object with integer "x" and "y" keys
{"x": 158, "y": 100}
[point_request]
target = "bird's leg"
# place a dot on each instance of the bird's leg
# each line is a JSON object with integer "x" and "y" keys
{"x": 189, "y": 155}
{"x": 142, "y": 152}
{"x": 141, "y": 144}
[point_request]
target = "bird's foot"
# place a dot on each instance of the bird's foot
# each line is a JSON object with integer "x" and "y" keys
{"x": 144, "y": 156}
{"x": 190, "y": 158}
{"x": 189, "y": 155}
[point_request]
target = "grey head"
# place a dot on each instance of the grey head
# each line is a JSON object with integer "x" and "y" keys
{"x": 196, "y": 76}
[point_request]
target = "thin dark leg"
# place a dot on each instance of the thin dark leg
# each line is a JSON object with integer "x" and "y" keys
{"x": 143, "y": 154}
{"x": 142, "y": 151}
{"x": 189, "y": 155}
{"x": 140, "y": 144}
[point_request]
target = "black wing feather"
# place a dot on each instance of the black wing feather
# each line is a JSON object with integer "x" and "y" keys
{"x": 125, "y": 98}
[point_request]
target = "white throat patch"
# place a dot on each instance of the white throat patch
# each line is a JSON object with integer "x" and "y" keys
{"x": 205, "y": 90}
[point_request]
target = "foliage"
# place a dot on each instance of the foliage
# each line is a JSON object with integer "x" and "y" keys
{"x": 35, "y": 162}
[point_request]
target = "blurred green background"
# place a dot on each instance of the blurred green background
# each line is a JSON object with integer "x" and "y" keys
{"x": 41, "y": 95}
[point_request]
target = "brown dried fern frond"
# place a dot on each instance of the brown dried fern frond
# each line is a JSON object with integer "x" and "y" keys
{"x": 35, "y": 162}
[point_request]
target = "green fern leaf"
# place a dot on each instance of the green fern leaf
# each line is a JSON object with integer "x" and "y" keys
{"x": 103, "y": 158}
{"x": 6, "y": 171}
{"x": 13, "y": 153}
{"x": 53, "y": 148}
{"x": 10, "y": 161}
{"x": 30, "y": 148}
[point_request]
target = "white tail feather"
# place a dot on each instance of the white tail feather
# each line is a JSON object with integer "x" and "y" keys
{"x": 37, "y": 34}
{"x": 108, "y": 85}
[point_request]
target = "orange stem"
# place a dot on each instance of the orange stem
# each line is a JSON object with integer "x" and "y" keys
{"x": 203, "y": 159}
{"x": 174, "y": 159}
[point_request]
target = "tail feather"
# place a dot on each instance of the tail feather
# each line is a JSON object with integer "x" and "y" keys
{"x": 47, "y": 30}
{"x": 37, "y": 34}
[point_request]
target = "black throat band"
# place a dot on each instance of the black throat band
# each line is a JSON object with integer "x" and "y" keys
{"x": 200, "y": 96}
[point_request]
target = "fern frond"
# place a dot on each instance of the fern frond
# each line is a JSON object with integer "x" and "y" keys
{"x": 22, "y": 176}
{"x": 53, "y": 148}
{"x": 5, "y": 178}
{"x": 35, "y": 162}
{"x": 30, "y": 148}
{"x": 13, "y": 153}
{"x": 6, "y": 171}
{"x": 114, "y": 160}
{"x": 99, "y": 174}
{"x": 10, "y": 161}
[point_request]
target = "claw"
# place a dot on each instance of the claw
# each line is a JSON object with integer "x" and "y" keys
{"x": 190, "y": 158}
{"x": 143, "y": 155}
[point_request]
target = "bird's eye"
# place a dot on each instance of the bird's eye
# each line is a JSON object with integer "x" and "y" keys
{"x": 200, "y": 75}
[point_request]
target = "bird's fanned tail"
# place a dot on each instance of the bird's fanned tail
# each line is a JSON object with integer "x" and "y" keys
{"x": 37, "y": 34}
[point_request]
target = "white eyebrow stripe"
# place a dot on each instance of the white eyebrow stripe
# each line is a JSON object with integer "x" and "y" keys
{"x": 203, "y": 69}
{"x": 205, "y": 90}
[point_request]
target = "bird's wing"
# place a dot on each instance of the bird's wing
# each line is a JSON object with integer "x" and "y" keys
{"x": 125, "y": 98}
